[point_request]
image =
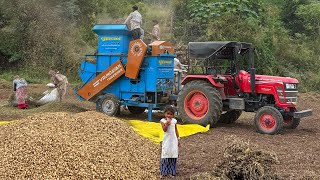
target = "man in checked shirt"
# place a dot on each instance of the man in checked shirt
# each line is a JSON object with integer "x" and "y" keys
{"x": 135, "y": 20}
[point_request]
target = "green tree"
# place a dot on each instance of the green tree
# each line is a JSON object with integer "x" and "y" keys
{"x": 310, "y": 15}
{"x": 290, "y": 17}
{"x": 10, "y": 48}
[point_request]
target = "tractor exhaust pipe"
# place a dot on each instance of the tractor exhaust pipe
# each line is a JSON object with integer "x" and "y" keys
{"x": 252, "y": 80}
{"x": 252, "y": 71}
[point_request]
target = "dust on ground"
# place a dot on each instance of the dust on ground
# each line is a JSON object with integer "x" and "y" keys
{"x": 296, "y": 150}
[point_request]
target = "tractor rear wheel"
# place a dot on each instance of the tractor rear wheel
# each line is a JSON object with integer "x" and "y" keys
{"x": 230, "y": 117}
{"x": 109, "y": 104}
{"x": 268, "y": 120}
{"x": 199, "y": 103}
{"x": 136, "y": 109}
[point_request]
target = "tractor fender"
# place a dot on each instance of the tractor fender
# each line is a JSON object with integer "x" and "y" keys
{"x": 207, "y": 78}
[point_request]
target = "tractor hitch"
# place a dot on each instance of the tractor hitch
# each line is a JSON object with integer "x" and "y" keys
{"x": 301, "y": 114}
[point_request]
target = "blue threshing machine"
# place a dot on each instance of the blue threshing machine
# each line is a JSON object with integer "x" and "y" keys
{"x": 127, "y": 72}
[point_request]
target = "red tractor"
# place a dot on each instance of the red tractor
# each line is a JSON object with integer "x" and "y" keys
{"x": 217, "y": 90}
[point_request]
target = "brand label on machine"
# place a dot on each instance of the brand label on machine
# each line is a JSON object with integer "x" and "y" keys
{"x": 101, "y": 81}
{"x": 110, "y": 39}
{"x": 109, "y": 75}
{"x": 167, "y": 62}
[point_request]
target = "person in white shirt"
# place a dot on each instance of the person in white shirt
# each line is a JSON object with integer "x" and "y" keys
{"x": 170, "y": 143}
{"x": 179, "y": 72}
{"x": 177, "y": 64}
{"x": 135, "y": 20}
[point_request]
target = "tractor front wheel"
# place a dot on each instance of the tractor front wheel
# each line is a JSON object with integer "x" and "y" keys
{"x": 268, "y": 120}
{"x": 109, "y": 104}
{"x": 199, "y": 103}
{"x": 291, "y": 123}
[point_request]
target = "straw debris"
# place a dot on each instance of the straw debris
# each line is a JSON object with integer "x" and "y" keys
{"x": 12, "y": 101}
{"x": 4, "y": 84}
{"x": 241, "y": 161}
{"x": 87, "y": 145}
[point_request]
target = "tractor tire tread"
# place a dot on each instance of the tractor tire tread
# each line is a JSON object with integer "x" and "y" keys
{"x": 275, "y": 112}
{"x": 214, "y": 96}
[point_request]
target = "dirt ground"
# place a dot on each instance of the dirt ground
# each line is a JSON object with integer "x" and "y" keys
{"x": 297, "y": 150}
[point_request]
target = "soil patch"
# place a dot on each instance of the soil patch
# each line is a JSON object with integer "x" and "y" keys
{"x": 297, "y": 149}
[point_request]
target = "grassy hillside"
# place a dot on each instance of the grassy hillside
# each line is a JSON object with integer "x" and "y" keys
{"x": 57, "y": 34}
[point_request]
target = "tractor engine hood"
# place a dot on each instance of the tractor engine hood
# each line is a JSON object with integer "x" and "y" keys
{"x": 274, "y": 79}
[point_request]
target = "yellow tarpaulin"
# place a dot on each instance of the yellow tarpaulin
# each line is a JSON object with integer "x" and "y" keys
{"x": 5, "y": 122}
{"x": 153, "y": 130}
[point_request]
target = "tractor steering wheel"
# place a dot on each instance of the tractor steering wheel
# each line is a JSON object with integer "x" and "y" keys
{"x": 235, "y": 75}
{"x": 212, "y": 71}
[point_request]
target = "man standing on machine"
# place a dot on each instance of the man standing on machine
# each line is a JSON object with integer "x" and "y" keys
{"x": 135, "y": 19}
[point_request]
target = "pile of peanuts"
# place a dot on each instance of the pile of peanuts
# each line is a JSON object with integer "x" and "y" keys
{"x": 86, "y": 145}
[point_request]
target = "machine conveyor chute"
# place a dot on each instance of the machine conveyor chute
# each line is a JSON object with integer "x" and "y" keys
{"x": 96, "y": 85}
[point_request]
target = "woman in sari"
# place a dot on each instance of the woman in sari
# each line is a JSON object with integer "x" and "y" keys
{"x": 20, "y": 87}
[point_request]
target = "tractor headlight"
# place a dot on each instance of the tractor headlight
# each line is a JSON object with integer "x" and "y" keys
{"x": 291, "y": 86}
